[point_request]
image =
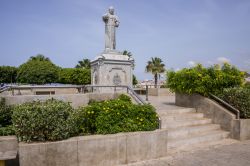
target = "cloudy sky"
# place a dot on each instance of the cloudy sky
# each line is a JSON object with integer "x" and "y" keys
{"x": 180, "y": 32}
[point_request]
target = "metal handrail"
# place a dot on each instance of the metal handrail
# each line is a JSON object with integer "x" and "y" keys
{"x": 227, "y": 105}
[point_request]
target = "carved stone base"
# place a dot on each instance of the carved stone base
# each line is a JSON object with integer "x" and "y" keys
{"x": 112, "y": 68}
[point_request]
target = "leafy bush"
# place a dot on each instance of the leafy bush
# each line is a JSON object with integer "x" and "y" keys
{"x": 238, "y": 98}
{"x": 118, "y": 115}
{"x": 5, "y": 114}
{"x": 6, "y": 127}
{"x": 8, "y": 130}
{"x": 247, "y": 85}
{"x": 38, "y": 70}
{"x": 43, "y": 121}
{"x": 124, "y": 97}
{"x": 8, "y": 74}
{"x": 204, "y": 80}
{"x": 74, "y": 76}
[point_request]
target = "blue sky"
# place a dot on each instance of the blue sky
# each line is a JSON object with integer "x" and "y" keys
{"x": 180, "y": 32}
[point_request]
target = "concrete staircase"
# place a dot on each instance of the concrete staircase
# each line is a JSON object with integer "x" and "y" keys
{"x": 187, "y": 128}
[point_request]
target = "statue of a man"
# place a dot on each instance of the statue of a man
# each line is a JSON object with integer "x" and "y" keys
{"x": 111, "y": 22}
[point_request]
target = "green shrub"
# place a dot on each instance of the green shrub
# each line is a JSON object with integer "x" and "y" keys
{"x": 5, "y": 113}
{"x": 238, "y": 98}
{"x": 124, "y": 97}
{"x": 42, "y": 121}
{"x": 8, "y": 130}
{"x": 204, "y": 80}
{"x": 247, "y": 85}
{"x": 118, "y": 115}
{"x": 6, "y": 127}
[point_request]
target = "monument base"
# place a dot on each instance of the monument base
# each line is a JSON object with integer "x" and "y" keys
{"x": 111, "y": 68}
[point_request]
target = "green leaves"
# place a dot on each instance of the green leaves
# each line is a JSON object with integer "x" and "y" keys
{"x": 77, "y": 76}
{"x": 8, "y": 74}
{"x": 204, "y": 80}
{"x": 238, "y": 98}
{"x": 118, "y": 115}
{"x": 37, "y": 70}
{"x": 42, "y": 121}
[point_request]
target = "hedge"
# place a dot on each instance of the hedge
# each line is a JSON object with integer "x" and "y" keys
{"x": 238, "y": 98}
{"x": 203, "y": 80}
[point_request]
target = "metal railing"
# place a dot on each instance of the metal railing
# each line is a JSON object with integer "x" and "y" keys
{"x": 128, "y": 89}
{"x": 226, "y": 105}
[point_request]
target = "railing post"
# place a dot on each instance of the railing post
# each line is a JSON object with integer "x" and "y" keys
{"x": 146, "y": 92}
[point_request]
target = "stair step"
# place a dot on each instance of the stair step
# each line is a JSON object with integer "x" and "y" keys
{"x": 184, "y": 123}
{"x": 191, "y": 130}
{"x": 176, "y": 111}
{"x": 184, "y": 116}
{"x": 216, "y": 135}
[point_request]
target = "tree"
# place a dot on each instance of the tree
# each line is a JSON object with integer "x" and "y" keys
{"x": 85, "y": 63}
{"x": 40, "y": 57}
{"x": 38, "y": 70}
{"x": 8, "y": 74}
{"x": 77, "y": 76}
{"x": 135, "y": 82}
{"x": 155, "y": 66}
{"x": 125, "y": 52}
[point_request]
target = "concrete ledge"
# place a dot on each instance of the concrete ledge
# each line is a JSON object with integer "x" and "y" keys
{"x": 75, "y": 100}
{"x": 159, "y": 92}
{"x": 96, "y": 150}
{"x": 8, "y": 147}
{"x": 239, "y": 129}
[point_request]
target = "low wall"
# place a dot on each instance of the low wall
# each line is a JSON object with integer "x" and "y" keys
{"x": 159, "y": 92}
{"x": 75, "y": 100}
{"x": 97, "y": 150}
{"x": 239, "y": 129}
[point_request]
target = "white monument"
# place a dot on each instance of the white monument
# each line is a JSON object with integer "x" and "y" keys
{"x": 111, "y": 67}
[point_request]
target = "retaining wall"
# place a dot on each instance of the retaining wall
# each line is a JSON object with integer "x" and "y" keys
{"x": 75, "y": 100}
{"x": 159, "y": 92}
{"x": 97, "y": 150}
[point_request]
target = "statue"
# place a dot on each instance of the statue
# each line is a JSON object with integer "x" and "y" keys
{"x": 111, "y": 22}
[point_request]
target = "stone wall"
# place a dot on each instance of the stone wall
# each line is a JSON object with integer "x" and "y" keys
{"x": 34, "y": 90}
{"x": 239, "y": 129}
{"x": 96, "y": 150}
{"x": 159, "y": 92}
{"x": 75, "y": 100}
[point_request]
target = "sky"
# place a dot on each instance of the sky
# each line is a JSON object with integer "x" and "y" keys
{"x": 180, "y": 32}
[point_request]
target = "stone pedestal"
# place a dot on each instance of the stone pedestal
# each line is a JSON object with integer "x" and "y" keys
{"x": 111, "y": 68}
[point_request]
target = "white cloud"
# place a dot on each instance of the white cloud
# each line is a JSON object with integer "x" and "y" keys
{"x": 223, "y": 60}
{"x": 191, "y": 63}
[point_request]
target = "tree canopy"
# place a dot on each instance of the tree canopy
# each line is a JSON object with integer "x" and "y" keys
{"x": 8, "y": 74}
{"x": 38, "y": 70}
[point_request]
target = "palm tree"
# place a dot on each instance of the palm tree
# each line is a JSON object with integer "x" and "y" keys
{"x": 85, "y": 63}
{"x": 125, "y": 52}
{"x": 155, "y": 66}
